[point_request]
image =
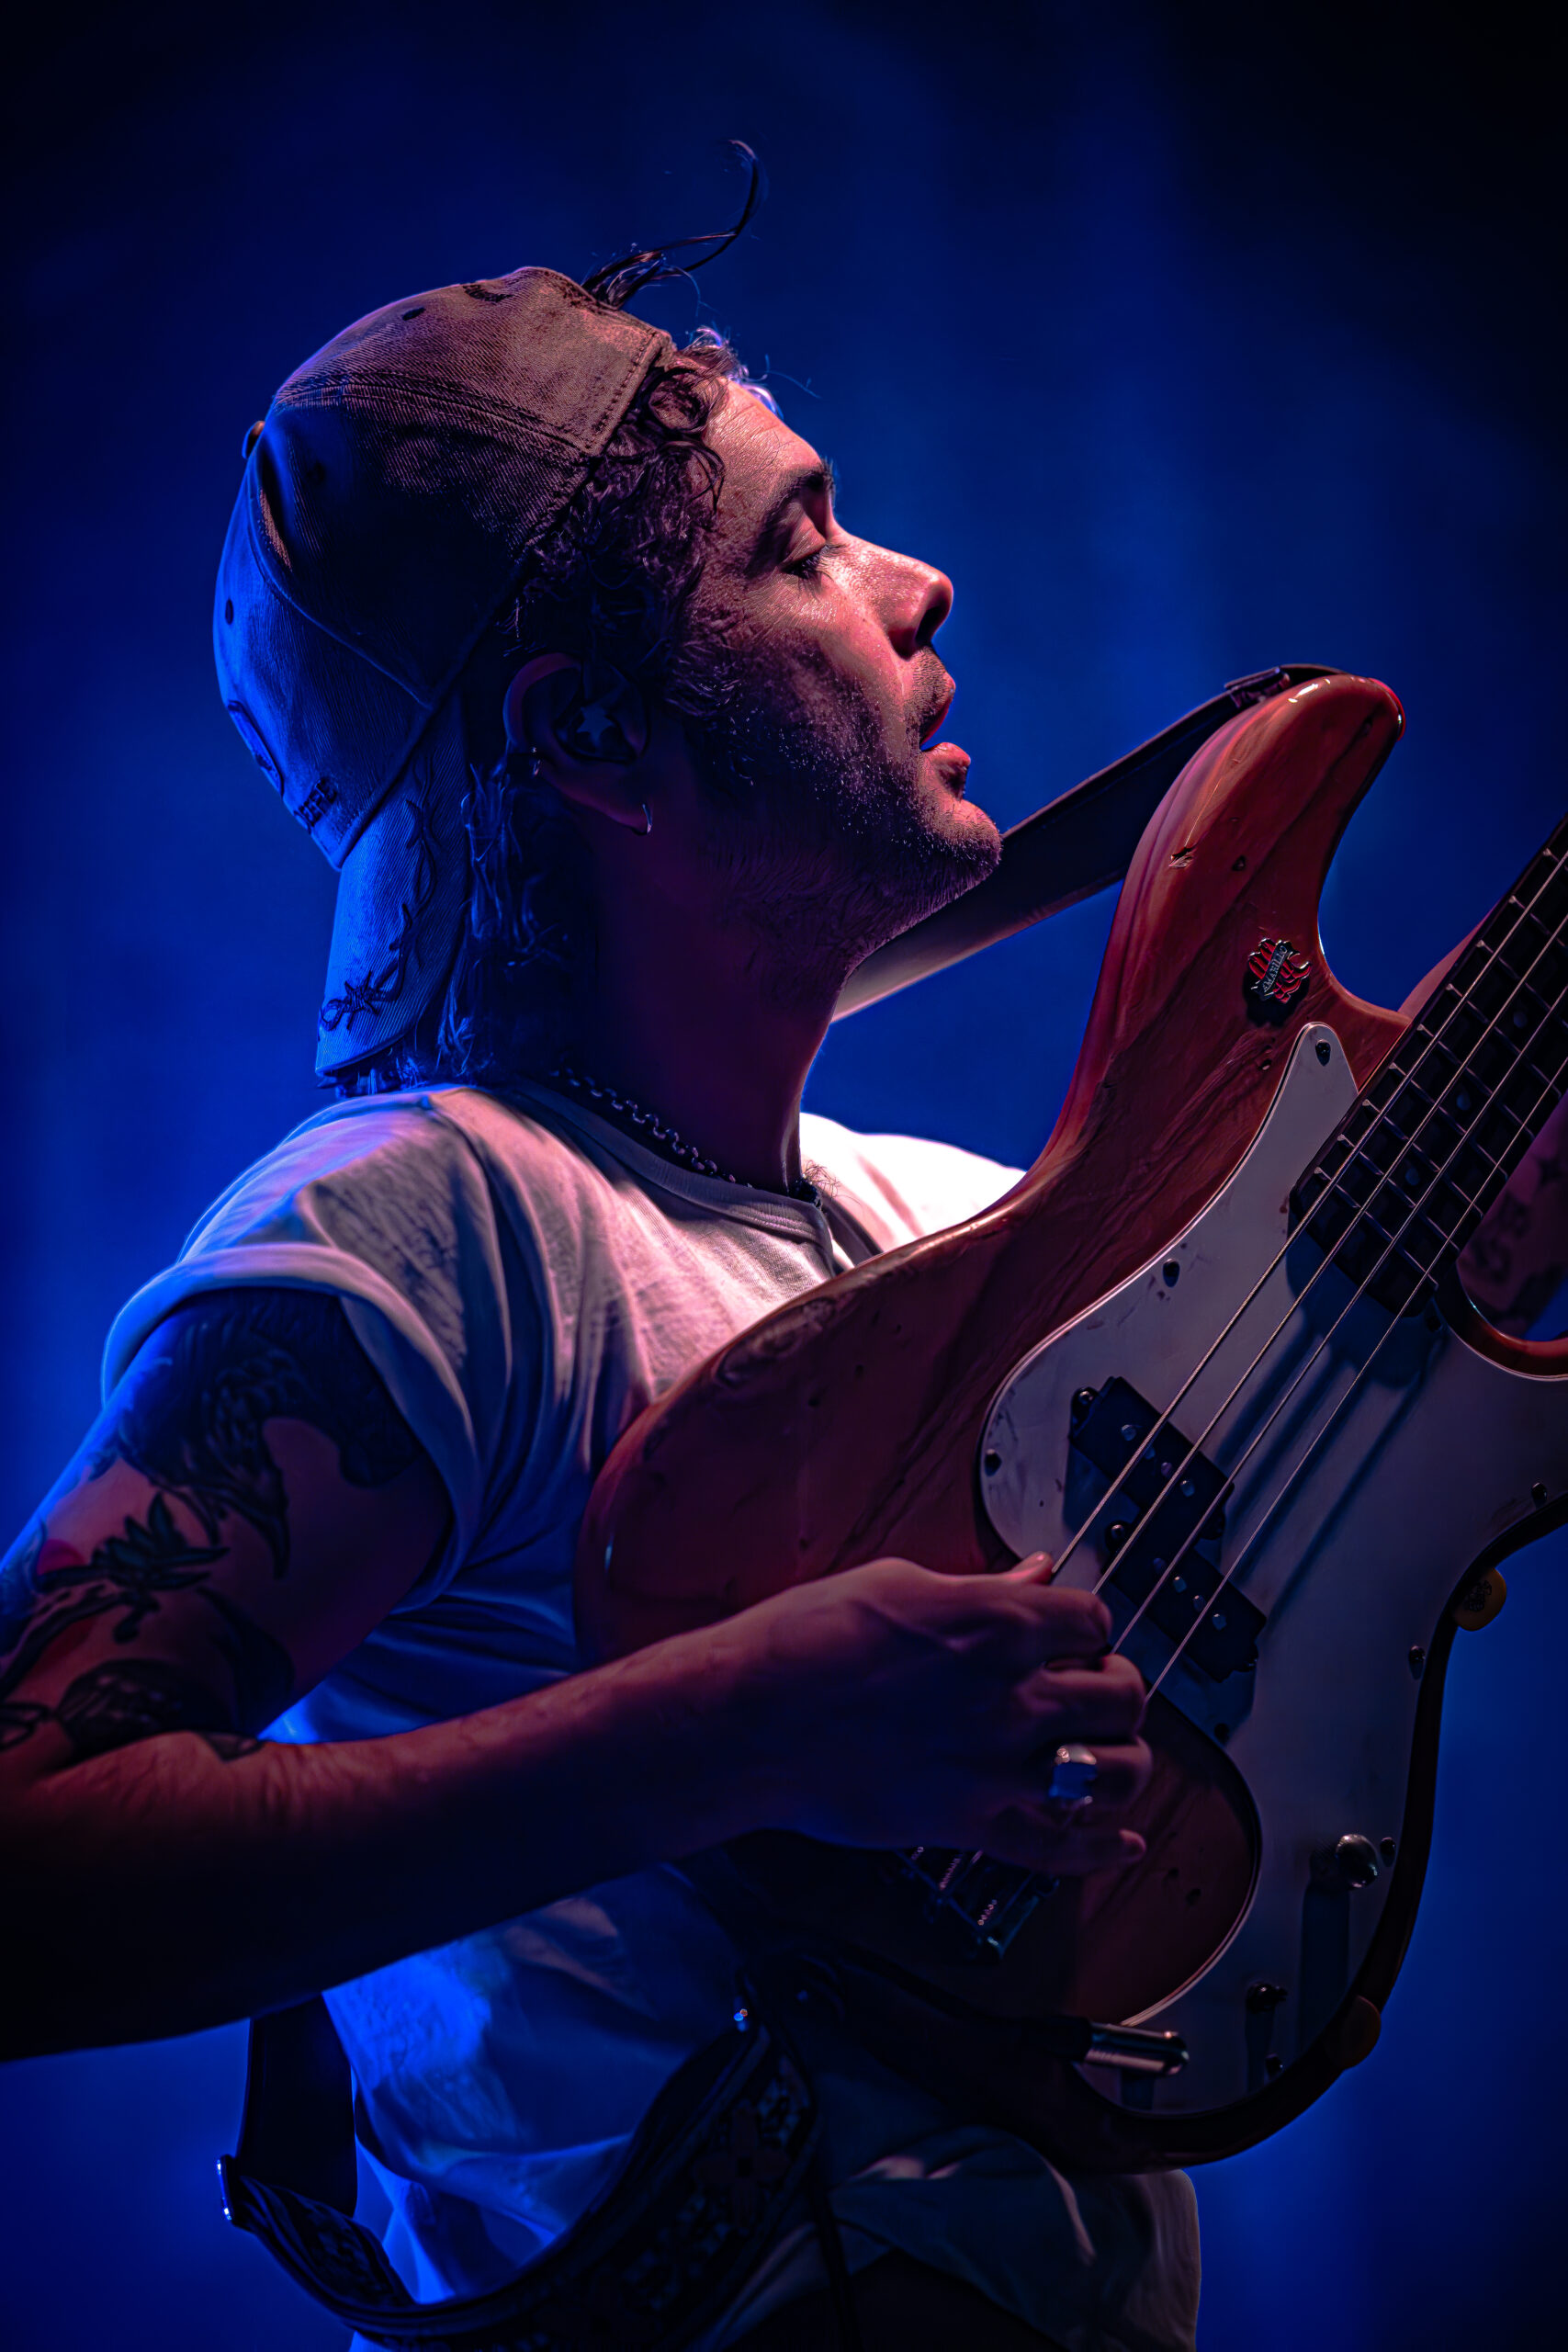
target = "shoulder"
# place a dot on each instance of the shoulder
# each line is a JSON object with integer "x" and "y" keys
{"x": 423, "y": 1160}
{"x": 381, "y": 1150}
{"x": 900, "y": 1187}
{"x": 465, "y": 1209}
{"x": 389, "y": 1206}
{"x": 384, "y": 1203}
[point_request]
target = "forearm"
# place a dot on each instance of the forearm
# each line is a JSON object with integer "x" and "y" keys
{"x": 163, "y": 1887}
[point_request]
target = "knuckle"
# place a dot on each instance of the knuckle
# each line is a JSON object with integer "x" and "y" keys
{"x": 1085, "y": 1609}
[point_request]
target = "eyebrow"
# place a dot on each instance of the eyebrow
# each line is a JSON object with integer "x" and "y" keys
{"x": 811, "y": 482}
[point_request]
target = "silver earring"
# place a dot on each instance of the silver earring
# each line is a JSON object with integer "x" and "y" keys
{"x": 646, "y": 821}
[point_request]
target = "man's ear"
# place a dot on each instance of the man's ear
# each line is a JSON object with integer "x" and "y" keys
{"x": 586, "y": 729}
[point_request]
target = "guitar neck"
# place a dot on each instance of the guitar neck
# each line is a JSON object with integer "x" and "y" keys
{"x": 1400, "y": 1187}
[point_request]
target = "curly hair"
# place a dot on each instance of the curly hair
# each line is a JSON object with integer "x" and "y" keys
{"x": 612, "y": 583}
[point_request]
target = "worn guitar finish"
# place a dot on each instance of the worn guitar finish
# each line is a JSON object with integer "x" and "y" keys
{"x": 954, "y": 1402}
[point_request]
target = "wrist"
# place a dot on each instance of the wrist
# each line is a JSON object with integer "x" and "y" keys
{"x": 721, "y": 1736}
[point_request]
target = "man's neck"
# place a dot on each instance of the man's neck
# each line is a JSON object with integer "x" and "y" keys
{"x": 689, "y": 1028}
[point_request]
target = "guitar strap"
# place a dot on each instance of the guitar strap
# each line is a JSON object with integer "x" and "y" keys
{"x": 710, "y": 2173}
{"x": 731, "y": 2139}
{"x": 1077, "y": 845}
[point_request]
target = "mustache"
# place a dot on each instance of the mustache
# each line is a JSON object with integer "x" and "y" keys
{"x": 934, "y": 701}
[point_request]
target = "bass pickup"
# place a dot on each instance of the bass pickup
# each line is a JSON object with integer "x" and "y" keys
{"x": 1167, "y": 1504}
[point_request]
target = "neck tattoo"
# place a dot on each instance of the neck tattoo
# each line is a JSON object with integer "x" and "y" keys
{"x": 652, "y": 1130}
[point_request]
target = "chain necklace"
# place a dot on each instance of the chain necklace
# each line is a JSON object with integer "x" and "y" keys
{"x": 652, "y": 1130}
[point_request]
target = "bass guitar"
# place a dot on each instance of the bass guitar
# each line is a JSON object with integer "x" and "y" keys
{"x": 1213, "y": 1354}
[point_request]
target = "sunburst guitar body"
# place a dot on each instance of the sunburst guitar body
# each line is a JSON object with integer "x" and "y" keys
{"x": 1212, "y": 1355}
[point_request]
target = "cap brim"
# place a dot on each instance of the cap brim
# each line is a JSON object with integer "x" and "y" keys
{"x": 402, "y": 903}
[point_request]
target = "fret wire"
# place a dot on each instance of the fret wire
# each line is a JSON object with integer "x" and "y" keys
{"x": 1363, "y": 1209}
{"x": 1475, "y": 1202}
{"x": 1550, "y": 860}
{"x": 1551, "y": 863}
{"x": 1357, "y": 1150}
{"x": 1386, "y": 1176}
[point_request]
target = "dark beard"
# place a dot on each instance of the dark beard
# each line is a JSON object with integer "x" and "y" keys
{"x": 818, "y": 838}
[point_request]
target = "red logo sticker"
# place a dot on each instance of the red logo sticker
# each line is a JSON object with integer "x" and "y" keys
{"x": 1278, "y": 973}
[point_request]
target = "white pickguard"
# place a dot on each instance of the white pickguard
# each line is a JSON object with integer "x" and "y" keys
{"x": 1430, "y": 1455}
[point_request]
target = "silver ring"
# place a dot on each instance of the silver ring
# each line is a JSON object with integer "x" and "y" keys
{"x": 1074, "y": 1771}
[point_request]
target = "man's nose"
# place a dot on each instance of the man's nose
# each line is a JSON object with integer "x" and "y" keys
{"x": 920, "y": 599}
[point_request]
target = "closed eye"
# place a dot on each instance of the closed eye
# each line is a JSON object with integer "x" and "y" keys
{"x": 808, "y": 495}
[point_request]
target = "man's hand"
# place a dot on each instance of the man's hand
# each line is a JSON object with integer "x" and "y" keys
{"x": 907, "y": 1707}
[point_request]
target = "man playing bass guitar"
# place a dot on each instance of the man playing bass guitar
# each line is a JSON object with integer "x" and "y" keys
{"x": 627, "y": 753}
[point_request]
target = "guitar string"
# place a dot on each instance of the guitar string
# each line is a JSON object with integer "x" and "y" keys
{"x": 963, "y": 1863}
{"x": 1276, "y": 1502}
{"x": 1278, "y": 1499}
{"x": 1407, "y": 1081}
{"x": 1383, "y": 1118}
{"x": 1026, "y": 1878}
{"x": 1334, "y": 1183}
{"x": 1391, "y": 1244}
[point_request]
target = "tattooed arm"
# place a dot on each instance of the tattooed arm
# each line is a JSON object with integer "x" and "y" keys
{"x": 248, "y": 1507}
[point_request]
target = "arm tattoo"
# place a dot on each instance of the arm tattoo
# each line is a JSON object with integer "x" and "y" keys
{"x": 191, "y": 1415}
{"x": 194, "y": 1405}
{"x": 138, "y": 1699}
{"x": 49, "y": 1588}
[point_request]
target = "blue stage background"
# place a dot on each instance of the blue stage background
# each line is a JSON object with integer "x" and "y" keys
{"x": 1187, "y": 343}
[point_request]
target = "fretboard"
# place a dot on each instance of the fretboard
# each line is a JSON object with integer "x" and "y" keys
{"x": 1398, "y": 1191}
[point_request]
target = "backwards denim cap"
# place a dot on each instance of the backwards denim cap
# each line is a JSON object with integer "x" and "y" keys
{"x": 389, "y": 505}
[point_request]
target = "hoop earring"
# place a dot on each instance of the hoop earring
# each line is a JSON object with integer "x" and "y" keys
{"x": 646, "y": 821}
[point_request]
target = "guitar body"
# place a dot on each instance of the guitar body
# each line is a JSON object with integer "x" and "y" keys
{"x": 929, "y": 1404}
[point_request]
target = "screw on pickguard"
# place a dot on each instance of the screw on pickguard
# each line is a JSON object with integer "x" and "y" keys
{"x": 1112, "y": 1433}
